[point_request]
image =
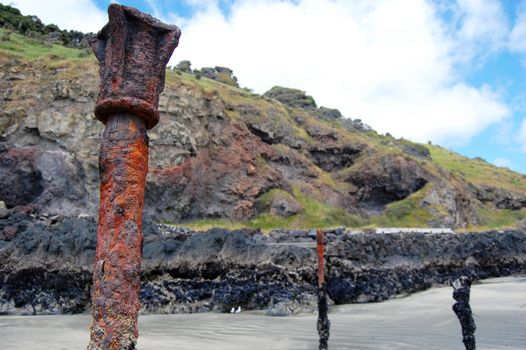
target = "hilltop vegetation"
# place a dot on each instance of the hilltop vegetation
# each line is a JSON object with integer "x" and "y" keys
{"x": 225, "y": 156}
{"x": 31, "y": 26}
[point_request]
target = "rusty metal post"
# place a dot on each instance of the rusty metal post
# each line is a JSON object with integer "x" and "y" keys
{"x": 461, "y": 292}
{"x": 133, "y": 50}
{"x": 323, "y": 319}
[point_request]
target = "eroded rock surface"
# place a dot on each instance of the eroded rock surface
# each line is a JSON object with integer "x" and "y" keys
{"x": 386, "y": 180}
{"x": 51, "y": 179}
{"x": 503, "y": 199}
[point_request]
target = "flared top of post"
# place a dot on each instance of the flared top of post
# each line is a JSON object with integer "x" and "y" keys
{"x": 133, "y": 50}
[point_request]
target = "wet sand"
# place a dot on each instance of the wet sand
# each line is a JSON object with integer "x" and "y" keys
{"x": 420, "y": 321}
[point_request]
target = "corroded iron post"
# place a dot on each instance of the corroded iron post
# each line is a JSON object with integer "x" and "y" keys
{"x": 133, "y": 50}
{"x": 323, "y": 319}
{"x": 461, "y": 292}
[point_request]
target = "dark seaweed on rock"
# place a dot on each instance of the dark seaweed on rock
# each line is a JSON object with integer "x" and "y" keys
{"x": 46, "y": 266}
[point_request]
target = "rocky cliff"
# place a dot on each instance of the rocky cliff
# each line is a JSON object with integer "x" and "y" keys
{"x": 223, "y": 155}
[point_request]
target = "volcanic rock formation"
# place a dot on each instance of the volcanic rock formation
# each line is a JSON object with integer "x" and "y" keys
{"x": 222, "y": 152}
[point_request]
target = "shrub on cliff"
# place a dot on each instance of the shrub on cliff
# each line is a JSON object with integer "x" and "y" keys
{"x": 184, "y": 66}
{"x": 291, "y": 97}
{"x": 221, "y": 74}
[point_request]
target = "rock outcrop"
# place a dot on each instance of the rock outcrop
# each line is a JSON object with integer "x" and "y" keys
{"x": 47, "y": 179}
{"x": 291, "y": 97}
{"x": 387, "y": 179}
{"x": 501, "y": 198}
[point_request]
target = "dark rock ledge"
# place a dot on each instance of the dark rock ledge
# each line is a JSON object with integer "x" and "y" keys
{"x": 45, "y": 265}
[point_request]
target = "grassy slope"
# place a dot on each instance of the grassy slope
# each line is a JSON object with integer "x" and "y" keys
{"x": 477, "y": 171}
{"x": 25, "y": 48}
{"x": 315, "y": 214}
{"x": 404, "y": 213}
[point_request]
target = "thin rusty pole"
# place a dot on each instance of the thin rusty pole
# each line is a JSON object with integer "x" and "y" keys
{"x": 323, "y": 319}
{"x": 133, "y": 50}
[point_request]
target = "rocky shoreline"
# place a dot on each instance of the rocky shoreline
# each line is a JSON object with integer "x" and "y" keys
{"x": 46, "y": 264}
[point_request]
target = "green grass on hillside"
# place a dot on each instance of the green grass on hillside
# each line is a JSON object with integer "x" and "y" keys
{"x": 477, "y": 171}
{"x": 23, "y": 47}
{"x": 407, "y": 212}
{"x": 494, "y": 219}
{"x": 315, "y": 214}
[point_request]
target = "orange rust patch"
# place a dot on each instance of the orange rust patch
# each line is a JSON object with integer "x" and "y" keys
{"x": 321, "y": 257}
{"x": 116, "y": 277}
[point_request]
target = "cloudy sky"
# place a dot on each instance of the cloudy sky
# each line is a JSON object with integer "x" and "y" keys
{"x": 447, "y": 71}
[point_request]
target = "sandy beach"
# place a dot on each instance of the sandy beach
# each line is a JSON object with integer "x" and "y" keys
{"x": 420, "y": 321}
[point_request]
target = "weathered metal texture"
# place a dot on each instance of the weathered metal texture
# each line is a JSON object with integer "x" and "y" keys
{"x": 461, "y": 292}
{"x": 133, "y": 49}
{"x": 323, "y": 324}
{"x": 116, "y": 276}
{"x": 320, "y": 248}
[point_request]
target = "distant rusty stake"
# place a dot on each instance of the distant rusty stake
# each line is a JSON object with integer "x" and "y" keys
{"x": 323, "y": 324}
{"x": 461, "y": 294}
{"x": 133, "y": 50}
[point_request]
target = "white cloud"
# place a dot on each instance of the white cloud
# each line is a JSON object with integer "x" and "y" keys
{"x": 502, "y": 162}
{"x": 153, "y": 5}
{"x": 82, "y": 15}
{"x": 484, "y": 26}
{"x": 521, "y": 136}
{"x": 391, "y": 63}
{"x": 517, "y": 41}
